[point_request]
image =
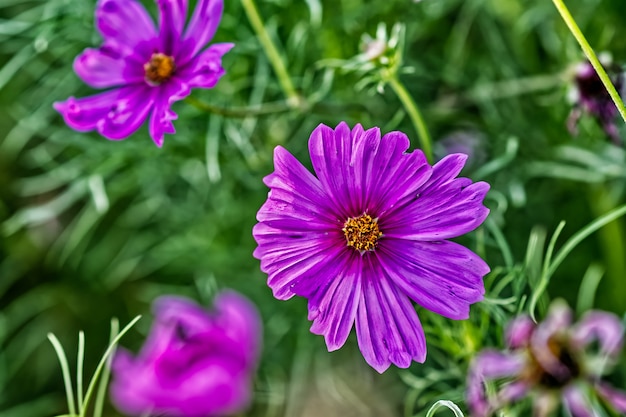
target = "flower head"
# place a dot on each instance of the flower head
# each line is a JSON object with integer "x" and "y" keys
{"x": 194, "y": 363}
{"x": 550, "y": 361}
{"x": 590, "y": 95}
{"x": 146, "y": 68}
{"x": 367, "y": 236}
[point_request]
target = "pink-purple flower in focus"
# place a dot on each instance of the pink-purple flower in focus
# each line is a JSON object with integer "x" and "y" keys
{"x": 551, "y": 362}
{"x": 195, "y": 363}
{"x": 146, "y": 68}
{"x": 367, "y": 235}
{"x": 590, "y": 96}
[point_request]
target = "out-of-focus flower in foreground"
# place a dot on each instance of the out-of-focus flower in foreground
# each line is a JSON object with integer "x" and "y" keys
{"x": 147, "y": 68}
{"x": 194, "y": 363}
{"x": 590, "y": 96}
{"x": 367, "y": 236}
{"x": 551, "y": 362}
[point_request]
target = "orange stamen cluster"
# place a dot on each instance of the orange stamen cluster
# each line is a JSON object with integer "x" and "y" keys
{"x": 362, "y": 233}
{"x": 159, "y": 69}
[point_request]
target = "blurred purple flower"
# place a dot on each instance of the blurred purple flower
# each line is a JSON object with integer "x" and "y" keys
{"x": 591, "y": 96}
{"x": 469, "y": 142}
{"x": 367, "y": 236}
{"x": 550, "y": 362}
{"x": 194, "y": 363}
{"x": 149, "y": 69}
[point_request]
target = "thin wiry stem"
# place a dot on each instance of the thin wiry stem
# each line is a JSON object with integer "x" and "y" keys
{"x": 272, "y": 53}
{"x": 414, "y": 114}
{"x": 591, "y": 56}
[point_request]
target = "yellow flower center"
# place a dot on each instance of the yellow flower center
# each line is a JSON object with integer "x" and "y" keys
{"x": 362, "y": 233}
{"x": 159, "y": 69}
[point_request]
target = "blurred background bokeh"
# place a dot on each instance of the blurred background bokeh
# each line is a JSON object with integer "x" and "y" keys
{"x": 92, "y": 229}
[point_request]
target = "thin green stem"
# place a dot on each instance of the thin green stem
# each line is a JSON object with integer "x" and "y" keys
{"x": 239, "y": 112}
{"x": 102, "y": 364}
{"x": 272, "y": 53}
{"x": 591, "y": 56}
{"x": 414, "y": 114}
{"x": 65, "y": 371}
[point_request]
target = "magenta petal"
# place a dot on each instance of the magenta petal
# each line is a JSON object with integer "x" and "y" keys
{"x": 557, "y": 321}
{"x": 172, "y": 17}
{"x": 205, "y": 70}
{"x": 604, "y": 327}
{"x": 519, "y": 331}
{"x": 363, "y": 172}
{"x": 115, "y": 114}
{"x": 290, "y": 260}
{"x": 203, "y": 24}
{"x": 486, "y": 366}
{"x": 453, "y": 209}
{"x": 616, "y": 398}
{"x": 443, "y": 277}
{"x": 194, "y": 363}
{"x": 105, "y": 67}
{"x": 162, "y": 114}
{"x": 126, "y": 25}
{"x": 334, "y": 307}
{"x": 387, "y": 327}
{"x": 576, "y": 402}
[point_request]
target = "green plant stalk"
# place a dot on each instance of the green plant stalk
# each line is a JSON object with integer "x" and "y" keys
{"x": 80, "y": 358}
{"x": 613, "y": 248}
{"x": 65, "y": 370}
{"x": 591, "y": 56}
{"x": 102, "y": 385}
{"x": 272, "y": 53}
{"x": 414, "y": 114}
{"x": 101, "y": 365}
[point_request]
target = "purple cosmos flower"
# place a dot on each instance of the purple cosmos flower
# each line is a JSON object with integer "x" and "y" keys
{"x": 149, "y": 69}
{"x": 591, "y": 96}
{"x": 194, "y": 363}
{"x": 367, "y": 236}
{"x": 550, "y": 362}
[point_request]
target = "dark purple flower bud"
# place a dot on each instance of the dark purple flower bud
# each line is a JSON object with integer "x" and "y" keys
{"x": 194, "y": 363}
{"x": 590, "y": 96}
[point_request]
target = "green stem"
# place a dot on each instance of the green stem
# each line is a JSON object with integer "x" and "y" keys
{"x": 414, "y": 114}
{"x": 240, "y": 112}
{"x": 591, "y": 56}
{"x": 272, "y": 53}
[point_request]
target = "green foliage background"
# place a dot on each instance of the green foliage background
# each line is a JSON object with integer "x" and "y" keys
{"x": 91, "y": 229}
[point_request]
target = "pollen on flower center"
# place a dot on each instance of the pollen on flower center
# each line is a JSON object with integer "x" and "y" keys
{"x": 159, "y": 69}
{"x": 362, "y": 233}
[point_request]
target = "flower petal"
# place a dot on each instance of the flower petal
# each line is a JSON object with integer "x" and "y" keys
{"x": 172, "y": 17}
{"x": 486, "y": 366}
{"x": 604, "y": 327}
{"x": 205, "y": 70}
{"x": 115, "y": 114}
{"x": 519, "y": 331}
{"x": 295, "y": 193}
{"x": 240, "y": 321}
{"x": 443, "y": 277}
{"x": 126, "y": 26}
{"x": 291, "y": 259}
{"x": 387, "y": 327}
{"x": 576, "y": 403}
{"x": 105, "y": 67}
{"x": 616, "y": 398}
{"x": 203, "y": 24}
{"x": 444, "y": 207}
{"x": 334, "y": 307}
{"x": 162, "y": 114}
{"x": 363, "y": 172}
{"x": 558, "y": 319}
